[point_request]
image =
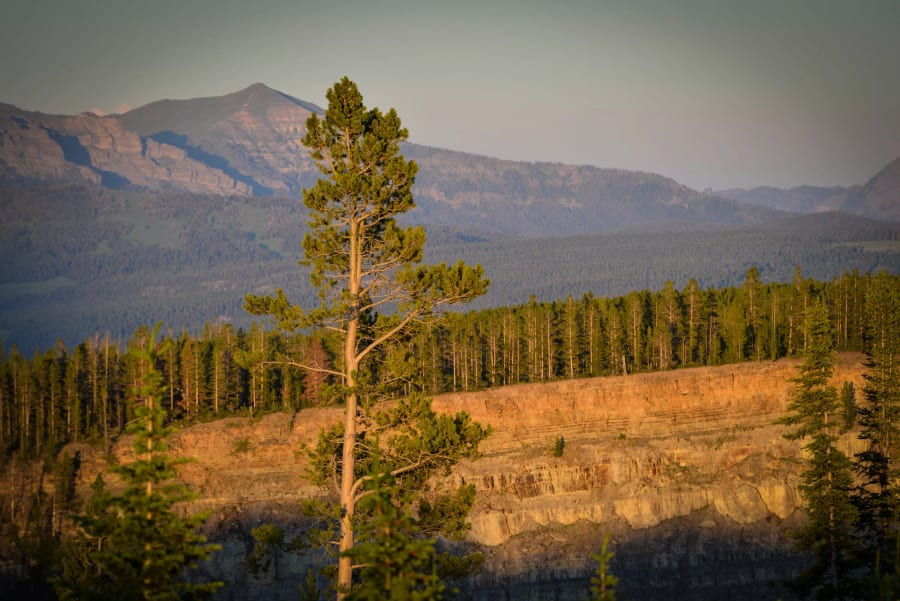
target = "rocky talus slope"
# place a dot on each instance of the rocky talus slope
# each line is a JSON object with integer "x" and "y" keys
{"x": 683, "y": 469}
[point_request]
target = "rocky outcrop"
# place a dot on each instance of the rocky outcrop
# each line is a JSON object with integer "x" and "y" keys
{"x": 100, "y": 150}
{"x": 684, "y": 469}
{"x": 28, "y": 152}
{"x": 255, "y": 132}
{"x": 645, "y": 448}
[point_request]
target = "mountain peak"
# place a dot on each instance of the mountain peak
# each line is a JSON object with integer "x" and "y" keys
{"x": 258, "y": 86}
{"x": 255, "y": 92}
{"x": 192, "y": 116}
{"x": 880, "y": 196}
{"x": 260, "y": 95}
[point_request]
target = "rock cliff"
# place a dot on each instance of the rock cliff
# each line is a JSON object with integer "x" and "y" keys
{"x": 684, "y": 469}
{"x": 100, "y": 150}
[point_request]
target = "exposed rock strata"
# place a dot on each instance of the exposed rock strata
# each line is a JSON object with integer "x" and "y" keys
{"x": 684, "y": 469}
{"x": 100, "y": 149}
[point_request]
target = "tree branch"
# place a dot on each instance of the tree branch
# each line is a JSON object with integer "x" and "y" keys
{"x": 292, "y": 363}
{"x": 387, "y": 335}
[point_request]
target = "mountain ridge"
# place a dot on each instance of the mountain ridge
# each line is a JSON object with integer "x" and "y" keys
{"x": 248, "y": 142}
{"x": 877, "y": 198}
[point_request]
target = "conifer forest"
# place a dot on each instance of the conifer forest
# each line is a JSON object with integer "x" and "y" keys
{"x": 99, "y": 389}
{"x": 61, "y": 395}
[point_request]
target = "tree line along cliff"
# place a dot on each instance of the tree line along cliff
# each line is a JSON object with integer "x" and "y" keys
{"x": 83, "y": 393}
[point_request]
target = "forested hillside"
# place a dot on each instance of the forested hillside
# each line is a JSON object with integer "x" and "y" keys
{"x": 85, "y": 260}
{"x": 82, "y": 260}
{"x": 85, "y": 392}
{"x": 825, "y": 245}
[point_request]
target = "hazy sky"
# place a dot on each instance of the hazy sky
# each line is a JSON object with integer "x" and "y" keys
{"x": 715, "y": 93}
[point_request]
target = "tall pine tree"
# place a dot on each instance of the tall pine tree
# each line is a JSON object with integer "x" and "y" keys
{"x": 362, "y": 261}
{"x": 603, "y": 582}
{"x": 136, "y": 545}
{"x": 827, "y": 481}
{"x": 878, "y": 465}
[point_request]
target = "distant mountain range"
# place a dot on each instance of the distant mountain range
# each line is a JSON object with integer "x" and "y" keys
{"x": 879, "y": 198}
{"x": 176, "y": 210}
{"x": 248, "y": 143}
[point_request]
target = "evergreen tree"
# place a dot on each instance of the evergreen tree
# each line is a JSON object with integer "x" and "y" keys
{"x": 64, "y": 484}
{"x": 403, "y": 445}
{"x": 827, "y": 481}
{"x": 491, "y": 332}
{"x": 669, "y": 306}
{"x": 732, "y": 325}
{"x": 316, "y": 382}
{"x": 135, "y": 545}
{"x": 797, "y": 305}
{"x": 362, "y": 262}
{"x": 615, "y": 334}
{"x": 395, "y": 564}
{"x": 193, "y": 377}
{"x": 593, "y": 336}
{"x": 571, "y": 341}
{"x": 848, "y": 405}
{"x": 636, "y": 308}
{"x": 693, "y": 317}
{"x": 76, "y": 396}
{"x": 878, "y": 465}
{"x": 603, "y": 582}
{"x": 755, "y": 330}
{"x": 712, "y": 335}
{"x": 82, "y": 571}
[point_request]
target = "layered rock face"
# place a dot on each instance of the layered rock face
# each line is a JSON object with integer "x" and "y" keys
{"x": 630, "y": 439}
{"x": 683, "y": 469}
{"x": 255, "y": 132}
{"x": 100, "y": 150}
{"x": 28, "y": 152}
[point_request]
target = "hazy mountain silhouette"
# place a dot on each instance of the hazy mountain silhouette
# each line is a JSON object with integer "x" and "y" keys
{"x": 248, "y": 142}
{"x": 879, "y": 198}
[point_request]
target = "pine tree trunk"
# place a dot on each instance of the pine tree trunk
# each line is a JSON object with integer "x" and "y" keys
{"x": 345, "y": 565}
{"x": 348, "y": 457}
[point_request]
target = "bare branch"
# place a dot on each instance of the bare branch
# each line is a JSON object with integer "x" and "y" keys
{"x": 387, "y": 335}
{"x": 315, "y": 368}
